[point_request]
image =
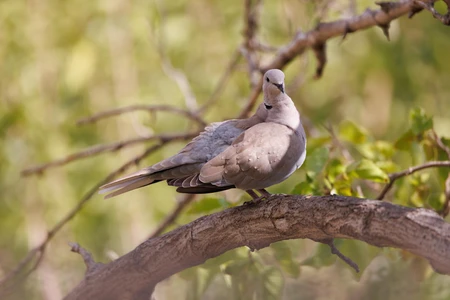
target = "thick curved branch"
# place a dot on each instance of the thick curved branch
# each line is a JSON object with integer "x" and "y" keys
{"x": 281, "y": 217}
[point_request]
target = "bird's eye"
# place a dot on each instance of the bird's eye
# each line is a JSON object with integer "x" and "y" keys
{"x": 267, "y": 79}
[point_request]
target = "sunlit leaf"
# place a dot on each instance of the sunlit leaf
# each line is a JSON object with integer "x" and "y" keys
{"x": 272, "y": 283}
{"x": 416, "y": 199}
{"x": 419, "y": 121}
{"x": 304, "y": 188}
{"x": 317, "y": 159}
{"x": 388, "y": 166}
{"x": 342, "y": 187}
{"x": 235, "y": 267}
{"x": 353, "y": 133}
{"x": 316, "y": 142}
{"x": 436, "y": 200}
{"x": 335, "y": 168}
{"x": 283, "y": 255}
{"x": 366, "y": 169}
{"x": 405, "y": 141}
{"x": 321, "y": 257}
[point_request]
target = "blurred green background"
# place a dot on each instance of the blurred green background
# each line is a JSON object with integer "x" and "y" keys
{"x": 61, "y": 61}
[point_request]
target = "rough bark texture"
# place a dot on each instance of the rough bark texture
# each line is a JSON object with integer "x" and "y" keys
{"x": 281, "y": 217}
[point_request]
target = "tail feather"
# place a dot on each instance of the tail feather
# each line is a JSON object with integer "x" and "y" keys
{"x": 124, "y": 185}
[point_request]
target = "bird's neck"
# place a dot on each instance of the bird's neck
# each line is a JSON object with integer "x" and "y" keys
{"x": 285, "y": 113}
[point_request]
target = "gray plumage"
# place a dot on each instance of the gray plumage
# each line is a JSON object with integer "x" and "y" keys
{"x": 249, "y": 154}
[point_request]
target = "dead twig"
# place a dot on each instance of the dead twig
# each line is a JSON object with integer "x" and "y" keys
{"x": 234, "y": 61}
{"x": 170, "y": 218}
{"x": 95, "y": 150}
{"x": 91, "y": 265}
{"x": 428, "y": 5}
{"x": 334, "y": 250}
{"x": 446, "y": 206}
{"x": 394, "y": 176}
{"x": 251, "y": 43}
{"x": 251, "y": 100}
{"x": 150, "y": 108}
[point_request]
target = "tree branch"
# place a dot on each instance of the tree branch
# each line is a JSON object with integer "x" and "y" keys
{"x": 150, "y": 108}
{"x": 446, "y": 207}
{"x": 95, "y": 150}
{"x": 91, "y": 265}
{"x": 170, "y": 218}
{"x": 394, "y": 176}
{"x": 428, "y": 5}
{"x": 316, "y": 39}
{"x": 281, "y": 217}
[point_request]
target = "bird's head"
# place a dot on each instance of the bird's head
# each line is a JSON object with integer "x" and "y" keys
{"x": 273, "y": 87}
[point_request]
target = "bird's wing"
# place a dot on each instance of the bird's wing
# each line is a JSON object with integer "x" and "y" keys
{"x": 262, "y": 154}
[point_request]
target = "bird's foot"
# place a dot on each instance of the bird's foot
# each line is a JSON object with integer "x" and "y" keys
{"x": 256, "y": 199}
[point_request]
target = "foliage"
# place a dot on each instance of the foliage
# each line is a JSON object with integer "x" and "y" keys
{"x": 373, "y": 113}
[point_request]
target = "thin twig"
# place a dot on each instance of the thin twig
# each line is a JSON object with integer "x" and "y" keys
{"x": 250, "y": 43}
{"x": 345, "y": 153}
{"x": 170, "y": 218}
{"x": 175, "y": 74}
{"x": 446, "y": 206}
{"x": 95, "y": 150}
{"x": 445, "y": 19}
{"x": 222, "y": 82}
{"x": 440, "y": 144}
{"x": 150, "y": 108}
{"x": 334, "y": 250}
{"x": 251, "y": 100}
{"x": 181, "y": 80}
{"x": 394, "y": 176}
{"x": 89, "y": 261}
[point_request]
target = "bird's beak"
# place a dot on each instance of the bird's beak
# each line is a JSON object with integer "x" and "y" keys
{"x": 280, "y": 87}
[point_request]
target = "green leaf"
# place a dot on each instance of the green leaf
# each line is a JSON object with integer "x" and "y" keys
{"x": 405, "y": 141}
{"x": 351, "y": 132}
{"x": 416, "y": 199}
{"x": 206, "y": 205}
{"x": 420, "y": 122}
{"x": 235, "y": 267}
{"x": 283, "y": 255}
{"x": 367, "y": 169}
{"x": 342, "y": 187}
{"x": 361, "y": 253}
{"x": 322, "y": 257}
{"x": 317, "y": 142}
{"x": 304, "y": 188}
{"x": 436, "y": 201}
{"x": 272, "y": 283}
{"x": 317, "y": 159}
{"x": 335, "y": 168}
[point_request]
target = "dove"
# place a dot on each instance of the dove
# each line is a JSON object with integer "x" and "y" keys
{"x": 248, "y": 154}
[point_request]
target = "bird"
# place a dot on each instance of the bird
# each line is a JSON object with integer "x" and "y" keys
{"x": 248, "y": 154}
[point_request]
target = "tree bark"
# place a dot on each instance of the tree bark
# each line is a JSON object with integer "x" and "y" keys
{"x": 281, "y": 217}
